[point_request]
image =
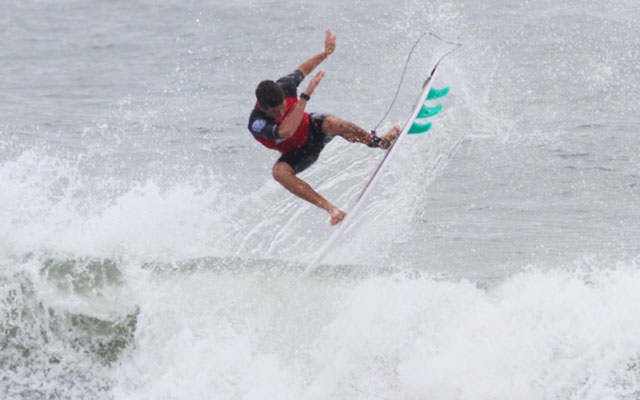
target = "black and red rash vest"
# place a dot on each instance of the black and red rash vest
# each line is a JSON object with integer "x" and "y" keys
{"x": 266, "y": 130}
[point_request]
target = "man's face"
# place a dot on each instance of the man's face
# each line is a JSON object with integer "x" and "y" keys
{"x": 276, "y": 112}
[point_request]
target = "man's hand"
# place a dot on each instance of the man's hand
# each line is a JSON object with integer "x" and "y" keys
{"x": 315, "y": 81}
{"x": 329, "y": 42}
{"x": 329, "y": 46}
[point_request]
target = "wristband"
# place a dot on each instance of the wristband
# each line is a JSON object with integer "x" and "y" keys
{"x": 305, "y": 96}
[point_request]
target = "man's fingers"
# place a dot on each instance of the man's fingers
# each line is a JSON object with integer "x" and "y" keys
{"x": 315, "y": 81}
{"x": 318, "y": 77}
{"x": 329, "y": 34}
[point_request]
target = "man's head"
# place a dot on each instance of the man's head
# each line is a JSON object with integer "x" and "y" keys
{"x": 271, "y": 99}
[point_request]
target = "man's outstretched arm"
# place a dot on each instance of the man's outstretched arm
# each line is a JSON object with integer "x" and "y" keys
{"x": 329, "y": 46}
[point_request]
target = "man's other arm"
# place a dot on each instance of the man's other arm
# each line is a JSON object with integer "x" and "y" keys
{"x": 329, "y": 46}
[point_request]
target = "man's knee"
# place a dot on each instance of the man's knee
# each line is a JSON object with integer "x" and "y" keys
{"x": 281, "y": 171}
{"x": 331, "y": 124}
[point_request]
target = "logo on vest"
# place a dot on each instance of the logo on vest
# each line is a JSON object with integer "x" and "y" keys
{"x": 258, "y": 125}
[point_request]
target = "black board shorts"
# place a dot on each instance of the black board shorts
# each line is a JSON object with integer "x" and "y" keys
{"x": 303, "y": 157}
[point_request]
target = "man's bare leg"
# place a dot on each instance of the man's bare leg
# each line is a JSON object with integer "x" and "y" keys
{"x": 332, "y": 126}
{"x": 286, "y": 176}
{"x": 348, "y": 130}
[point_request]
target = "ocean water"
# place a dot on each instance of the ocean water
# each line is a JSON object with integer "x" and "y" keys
{"x": 146, "y": 252}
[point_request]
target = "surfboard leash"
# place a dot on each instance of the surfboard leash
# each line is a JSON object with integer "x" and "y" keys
{"x": 406, "y": 65}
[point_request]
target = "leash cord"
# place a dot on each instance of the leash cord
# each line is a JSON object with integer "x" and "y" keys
{"x": 406, "y": 65}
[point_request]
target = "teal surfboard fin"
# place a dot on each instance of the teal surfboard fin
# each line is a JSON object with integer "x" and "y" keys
{"x": 419, "y": 127}
{"x": 437, "y": 93}
{"x": 427, "y": 112}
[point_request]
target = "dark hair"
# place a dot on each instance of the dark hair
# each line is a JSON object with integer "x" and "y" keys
{"x": 269, "y": 94}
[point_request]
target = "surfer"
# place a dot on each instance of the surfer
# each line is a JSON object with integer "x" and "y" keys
{"x": 279, "y": 121}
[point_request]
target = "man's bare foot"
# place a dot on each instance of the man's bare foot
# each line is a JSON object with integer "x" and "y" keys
{"x": 337, "y": 215}
{"x": 389, "y": 137}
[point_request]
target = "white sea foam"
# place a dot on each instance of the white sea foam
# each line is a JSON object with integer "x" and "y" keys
{"x": 536, "y": 335}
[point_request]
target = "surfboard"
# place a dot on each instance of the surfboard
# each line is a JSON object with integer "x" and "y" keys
{"x": 416, "y": 123}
